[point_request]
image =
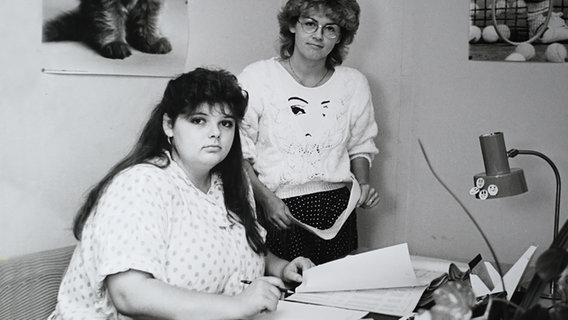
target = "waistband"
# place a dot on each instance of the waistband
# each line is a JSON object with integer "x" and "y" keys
{"x": 289, "y": 191}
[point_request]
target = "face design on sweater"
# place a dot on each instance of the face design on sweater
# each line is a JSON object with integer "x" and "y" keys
{"x": 307, "y": 129}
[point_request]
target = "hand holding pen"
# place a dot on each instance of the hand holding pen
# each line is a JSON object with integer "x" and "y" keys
{"x": 284, "y": 292}
{"x": 261, "y": 295}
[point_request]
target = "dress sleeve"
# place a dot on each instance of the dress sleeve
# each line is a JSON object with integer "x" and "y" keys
{"x": 131, "y": 223}
{"x": 249, "y": 127}
{"x": 363, "y": 125}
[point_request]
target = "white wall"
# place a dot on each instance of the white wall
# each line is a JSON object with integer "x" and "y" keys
{"x": 60, "y": 134}
{"x": 454, "y": 101}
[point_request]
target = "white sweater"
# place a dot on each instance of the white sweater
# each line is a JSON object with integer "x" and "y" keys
{"x": 300, "y": 140}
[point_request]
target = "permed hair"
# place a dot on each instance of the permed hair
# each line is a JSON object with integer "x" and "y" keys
{"x": 343, "y": 12}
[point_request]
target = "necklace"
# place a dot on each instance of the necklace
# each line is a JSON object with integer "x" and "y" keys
{"x": 300, "y": 79}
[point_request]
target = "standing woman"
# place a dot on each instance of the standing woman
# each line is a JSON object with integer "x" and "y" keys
{"x": 309, "y": 125}
{"x": 170, "y": 232}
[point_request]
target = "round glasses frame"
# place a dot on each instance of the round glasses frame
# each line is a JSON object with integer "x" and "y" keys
{"x": 310, "y": 26}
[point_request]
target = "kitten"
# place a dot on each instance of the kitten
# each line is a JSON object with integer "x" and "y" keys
{"x": 109, "y": 26}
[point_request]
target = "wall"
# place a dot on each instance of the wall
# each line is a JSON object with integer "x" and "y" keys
{"x": 60, "y": 134}
{"x": 454, "y": 101}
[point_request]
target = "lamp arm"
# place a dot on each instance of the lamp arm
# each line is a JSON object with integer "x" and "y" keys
{"x": 537, "y": 285}
{"x": 514, "y": 152}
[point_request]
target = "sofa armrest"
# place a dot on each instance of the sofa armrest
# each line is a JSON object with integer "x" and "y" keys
{"x": 29, "y": 284}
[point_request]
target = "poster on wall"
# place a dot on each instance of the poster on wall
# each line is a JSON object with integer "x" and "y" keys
{"x": 115, "y": 37}
{"x": 518, "y": 30}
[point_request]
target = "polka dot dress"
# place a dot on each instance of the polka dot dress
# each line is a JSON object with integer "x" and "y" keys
{"x": 319, "y": 210}
{"x": 155, "y": 220}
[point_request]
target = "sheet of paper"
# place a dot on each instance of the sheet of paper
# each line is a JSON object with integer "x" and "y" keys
{"x": 395, "y": 301}
{"x": 511, "y": 278}
{"x": 331, "y": 232}
{"x": 435, "y": 265}
{"x": 300, "y": 311}
{"x": 392, "y": 301}
{"x": 388, "y": 267}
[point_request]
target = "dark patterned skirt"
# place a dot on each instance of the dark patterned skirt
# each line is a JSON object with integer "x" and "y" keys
{"x": 319, "y": 210}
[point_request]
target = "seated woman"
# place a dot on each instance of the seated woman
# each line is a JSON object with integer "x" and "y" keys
{"x": 170, "y": 232}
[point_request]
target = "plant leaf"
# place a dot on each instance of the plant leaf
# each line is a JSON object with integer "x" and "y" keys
{"x": 551, "y": 263}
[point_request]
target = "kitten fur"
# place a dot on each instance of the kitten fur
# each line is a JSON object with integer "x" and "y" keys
{"x": 110, "y": 26}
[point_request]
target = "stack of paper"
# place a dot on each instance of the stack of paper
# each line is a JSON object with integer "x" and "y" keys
{"x": 300, "y": 311}
{"x": 385, "y": 281}
{"x": 389, "y": 281}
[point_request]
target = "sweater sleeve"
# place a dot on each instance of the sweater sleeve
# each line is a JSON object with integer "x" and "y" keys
{"x": 363, "y": 125}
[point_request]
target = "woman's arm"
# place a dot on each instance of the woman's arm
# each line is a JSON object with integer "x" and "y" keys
{"x": 137, "y": 294}
{"x": 274, "y": 209}
{"x": 369, "y": 196}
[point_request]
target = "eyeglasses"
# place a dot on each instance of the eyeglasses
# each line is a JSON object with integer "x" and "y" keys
{"x": 330, "y": 31}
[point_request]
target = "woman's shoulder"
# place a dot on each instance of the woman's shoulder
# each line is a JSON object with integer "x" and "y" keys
{"x": 350, "y": 72}
{"x": 141, "y": 172}
{"x": 265, "y": 66}
{"x": 263, "y": 63}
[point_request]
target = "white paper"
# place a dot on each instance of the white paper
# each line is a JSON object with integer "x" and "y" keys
{"x": 331, "y": 232}
{"x": 388, "y": 267}
{"x": 300, "y": 311}
{"x": 394, "y": 301}
{"x": 511, "y": 278}
{"x": 391, "y": 301}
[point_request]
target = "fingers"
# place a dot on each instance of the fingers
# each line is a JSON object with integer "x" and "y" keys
{"x": 264, "y": 293}
{"x": 369, "y": 197}
{"x": 274, "y": 281}
{"x": 280, "y": 218}
{"x": 293, "y": 271}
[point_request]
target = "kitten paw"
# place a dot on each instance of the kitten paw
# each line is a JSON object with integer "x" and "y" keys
{"x": 160, "y": 46}
{"x": 115, "y": 50}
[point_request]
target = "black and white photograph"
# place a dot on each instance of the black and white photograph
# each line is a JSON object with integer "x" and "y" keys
{"x": 284, "y": 159}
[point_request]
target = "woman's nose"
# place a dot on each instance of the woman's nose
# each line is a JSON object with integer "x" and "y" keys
{"x": 318, "y": 34}
{"x": 214, "y": 131}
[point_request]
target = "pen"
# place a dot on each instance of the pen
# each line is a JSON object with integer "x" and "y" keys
{"x": 283, "y": 290}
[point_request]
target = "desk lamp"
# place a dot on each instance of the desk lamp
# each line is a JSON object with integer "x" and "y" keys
{"x": 499, "y": 180}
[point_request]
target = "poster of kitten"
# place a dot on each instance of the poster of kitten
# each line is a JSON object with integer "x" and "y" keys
{"x": 108, "y": 25}
{"x": 126, "y": 37}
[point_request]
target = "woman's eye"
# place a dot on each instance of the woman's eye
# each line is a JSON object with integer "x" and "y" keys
{"x": 331, "y": 29}
{"x": 227, "y": 124}
{"x": 197, "y": 120}
{"x": 310, "y": 24}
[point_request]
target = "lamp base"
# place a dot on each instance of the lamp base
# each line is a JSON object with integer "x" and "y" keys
{"x": 553, "y": 293}
{"x": 502, "y": 185}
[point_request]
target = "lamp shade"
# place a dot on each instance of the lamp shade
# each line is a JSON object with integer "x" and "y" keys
{"x": 498, "y": 180}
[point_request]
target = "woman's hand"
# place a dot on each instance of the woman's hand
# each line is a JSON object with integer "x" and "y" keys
{"x": 260, "y": 296}
{"x": 274, "y": 209}
{"x": 292, "y": 272}
{"x": 369, "y": 197}
{"x": 276, "y": 212}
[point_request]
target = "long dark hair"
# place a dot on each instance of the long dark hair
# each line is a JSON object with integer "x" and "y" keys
{"x": 344, "y": 12}
{"x": 183, "y": 95}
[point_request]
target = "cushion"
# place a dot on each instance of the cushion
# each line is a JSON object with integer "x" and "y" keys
{"x": 29, "y": 283}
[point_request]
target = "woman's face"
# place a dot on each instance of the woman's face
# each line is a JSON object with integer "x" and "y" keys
{"x": 314, "y": 46}
{"x": 203, "y": 139}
